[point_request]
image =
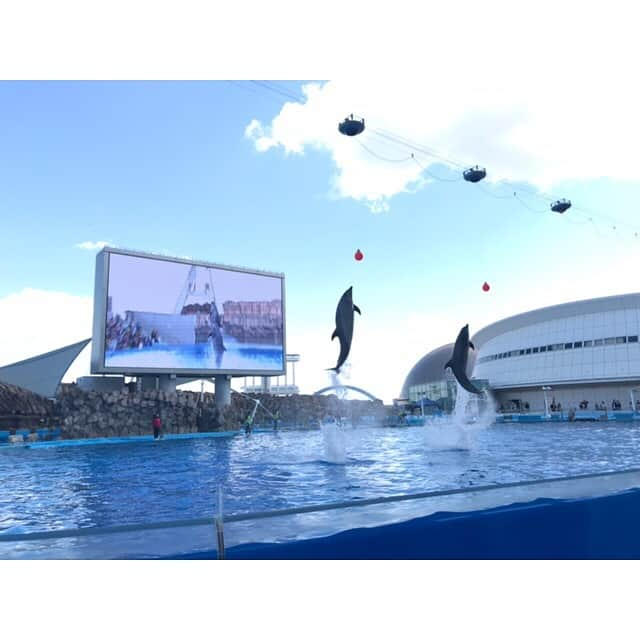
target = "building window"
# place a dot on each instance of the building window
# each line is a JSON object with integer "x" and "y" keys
{"x": 561, "y": 346}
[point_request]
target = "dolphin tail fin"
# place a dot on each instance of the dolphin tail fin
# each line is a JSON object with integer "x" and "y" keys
{"x": 472, "y": 345}
{"x": 355, "y": 308}
{"x": 334, "y": 334}
{"x": 449, "y": 365}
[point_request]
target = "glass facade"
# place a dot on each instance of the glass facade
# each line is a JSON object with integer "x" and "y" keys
{"x": 443, "y": 392}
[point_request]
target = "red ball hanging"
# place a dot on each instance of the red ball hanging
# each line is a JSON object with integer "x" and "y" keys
{"x": 358, "y": 255}
{"x": 486, "y": 287}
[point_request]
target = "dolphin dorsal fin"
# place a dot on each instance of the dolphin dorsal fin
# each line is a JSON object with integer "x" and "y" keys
{"x": 355, "y": 308}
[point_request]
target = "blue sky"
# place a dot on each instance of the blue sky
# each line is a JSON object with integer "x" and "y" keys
{"x": 169, "y": 167}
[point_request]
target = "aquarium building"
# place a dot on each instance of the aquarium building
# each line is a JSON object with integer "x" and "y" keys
{"x": 586, "y": 353}
{"x": 581, "y": 355}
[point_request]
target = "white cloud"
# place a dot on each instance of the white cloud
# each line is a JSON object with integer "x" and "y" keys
{"x": 93, "y": 246}
{"x": 35, "y": 321}
{"x": 539, "y": 132}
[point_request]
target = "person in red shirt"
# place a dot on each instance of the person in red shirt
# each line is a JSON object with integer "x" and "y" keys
{"x": 157, "y": 427}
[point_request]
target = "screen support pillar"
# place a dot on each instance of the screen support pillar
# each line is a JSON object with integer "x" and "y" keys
{"x": 223, "y": 391}
{"x": 158, "y": 383}
{"x": 167, "y": 383}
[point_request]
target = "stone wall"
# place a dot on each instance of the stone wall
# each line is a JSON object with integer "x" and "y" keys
{"x": 92, "y": 414}
{"x": 20, "y": 408}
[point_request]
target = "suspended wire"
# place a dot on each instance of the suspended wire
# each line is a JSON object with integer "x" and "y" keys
{"x": 277, "y": 89}
{"x": 524, "y": 204}
{"x": 549, "y": 197}
{"x": 492, "y": 194}
{"x": 577, "y": 211}
{"x": 432, "y": 175}
{"x": 247, "y": 86}
{"x": 376, "y": 155}
{"x": 428, "y": 151}
{"x": 416, "y": 147}
{"x": 574, "y": 218}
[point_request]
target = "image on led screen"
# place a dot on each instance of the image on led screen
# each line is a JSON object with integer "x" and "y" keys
{"x": 170, "y": 315}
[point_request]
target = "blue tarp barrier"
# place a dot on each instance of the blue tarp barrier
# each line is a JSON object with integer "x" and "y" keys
{"x": 593, "y": 528}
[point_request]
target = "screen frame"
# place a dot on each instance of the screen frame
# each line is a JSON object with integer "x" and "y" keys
{"x": 100, "y": 297}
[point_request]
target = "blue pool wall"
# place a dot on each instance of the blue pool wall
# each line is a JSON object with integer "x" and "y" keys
{"x": 592, "y": 528}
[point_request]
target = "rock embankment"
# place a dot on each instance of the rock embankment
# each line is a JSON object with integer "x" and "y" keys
{"x": 89, "y": 414}
{"x": 20, "y": 408}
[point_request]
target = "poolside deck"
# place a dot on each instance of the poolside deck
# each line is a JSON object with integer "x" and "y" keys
{"x": 563, "y": 416}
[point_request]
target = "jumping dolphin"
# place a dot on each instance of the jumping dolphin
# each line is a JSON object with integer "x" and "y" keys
{"x": 344, "y": 326}
{"x": 458, "y": 361}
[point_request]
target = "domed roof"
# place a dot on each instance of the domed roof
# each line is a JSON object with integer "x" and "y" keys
{"x": 430, "y": 368}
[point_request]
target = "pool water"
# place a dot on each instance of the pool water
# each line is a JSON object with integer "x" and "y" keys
{"x": 143, "y": 482}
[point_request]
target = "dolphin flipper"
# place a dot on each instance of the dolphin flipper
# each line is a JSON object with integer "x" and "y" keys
{"x": 355, "y": 308}
{"x": 471, "y": 345}
{"x": 334, "y": 334}
{"x": 449, "y": 365}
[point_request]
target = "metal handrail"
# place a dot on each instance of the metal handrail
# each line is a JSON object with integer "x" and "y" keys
{"x": 258, "y": 515}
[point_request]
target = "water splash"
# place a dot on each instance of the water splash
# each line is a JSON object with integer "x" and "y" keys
{"x": 335, "y": 449}
{"x": 471, "y": 415}
{"x": 339, "y": 380}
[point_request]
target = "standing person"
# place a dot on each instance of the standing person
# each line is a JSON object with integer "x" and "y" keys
{"x": 248, "y": 425}
{"x": 276, "y": 420}
{"x": 157, "y": 426}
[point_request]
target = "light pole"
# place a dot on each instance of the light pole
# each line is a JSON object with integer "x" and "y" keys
{"x": 546, "y": 402}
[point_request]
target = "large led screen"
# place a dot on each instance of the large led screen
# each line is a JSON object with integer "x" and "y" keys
{"x": 173, "y": 316}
